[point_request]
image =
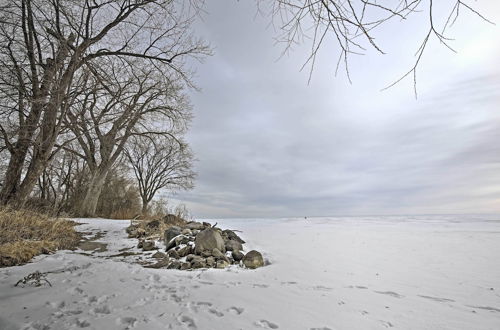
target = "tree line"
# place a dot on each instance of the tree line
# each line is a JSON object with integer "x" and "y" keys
{"x": 87, "y": 86}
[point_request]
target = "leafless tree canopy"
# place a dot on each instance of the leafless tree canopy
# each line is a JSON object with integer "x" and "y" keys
{"x": 158, "y": 164}
{"x": 353, "y": 24}
{"x": 53, "y": 52}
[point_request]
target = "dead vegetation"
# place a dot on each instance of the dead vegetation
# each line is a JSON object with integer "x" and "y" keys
{"x": 25, "y": 234}
{"x": 154, "y": 228}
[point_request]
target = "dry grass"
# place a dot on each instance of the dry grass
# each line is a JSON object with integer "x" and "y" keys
{"x": 25, "y": 234}
{"x": 153, "y": 227}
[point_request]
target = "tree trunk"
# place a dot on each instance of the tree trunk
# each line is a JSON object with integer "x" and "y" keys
{"x": 89, "y": 204}
{"x": 12, "y": 177}
{"x": 144, "y": 206}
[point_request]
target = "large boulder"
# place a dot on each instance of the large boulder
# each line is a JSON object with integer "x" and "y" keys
{"x": 184, "y": 251}
{"x": 187, "y": 231}
{"x": 171, "y": 233}
{"x": 233, "y": 245}
{"x": 219, "y": 255}
{"x": 237, "y": 255}
{"x": 232, "y": 236}
{"x": 253, "y": 259}
{"x": 173, "y": 254}
{"x": 209, "y": 239}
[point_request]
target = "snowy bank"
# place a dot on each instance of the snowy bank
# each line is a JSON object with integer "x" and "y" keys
{"x": 325, "y": 273}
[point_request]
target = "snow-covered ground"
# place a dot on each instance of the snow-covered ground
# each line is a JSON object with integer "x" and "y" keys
{"x": 325, "y": 273}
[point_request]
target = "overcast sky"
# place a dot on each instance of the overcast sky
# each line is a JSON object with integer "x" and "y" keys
{"x": 269, "y": 144}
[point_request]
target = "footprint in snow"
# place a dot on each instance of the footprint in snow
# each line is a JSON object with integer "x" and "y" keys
{"x": 187, "y": 321}
{"x": 75, "y": 290}
{"x": 266, "y": 324}
{"x": 101, "y": 310}
{"x": 390, "y": 293}
{"x": 216, "y": 312}
{"x": 236, "y": 310}
{"x": 437, "y": 299}
{"x": 322, "y": 288}
{"x": 386, "y": 324}
{"x": 80, "y": 323}
{"x": 127, "y": 321}
{"x": 260, "y": 286}
{"x": 487, "y": 308}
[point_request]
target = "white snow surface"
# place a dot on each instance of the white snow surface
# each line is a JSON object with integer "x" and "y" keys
{"x": 324, "y": 273}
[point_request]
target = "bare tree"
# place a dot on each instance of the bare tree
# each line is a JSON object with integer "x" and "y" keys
{"x": 160, "y": 164}
{"x": 44, "y": 44}
{"x": 352, "y": 24}
{"x": 119, "y": 104}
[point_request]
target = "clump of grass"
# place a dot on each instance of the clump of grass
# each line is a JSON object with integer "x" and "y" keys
{"x": 25, "y": 234}
{"x": 153, "y": 227}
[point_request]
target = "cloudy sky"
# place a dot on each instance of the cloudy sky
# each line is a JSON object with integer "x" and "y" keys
{"x": 269, "y": 144}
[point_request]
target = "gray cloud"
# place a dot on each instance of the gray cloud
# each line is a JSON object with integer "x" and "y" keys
{"x": 268, "y": 144}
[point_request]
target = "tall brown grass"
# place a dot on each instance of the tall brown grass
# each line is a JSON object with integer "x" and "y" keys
{"x": 25, "y": 234}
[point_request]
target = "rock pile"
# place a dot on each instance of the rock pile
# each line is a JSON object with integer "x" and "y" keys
{"x": 194, "y": 245}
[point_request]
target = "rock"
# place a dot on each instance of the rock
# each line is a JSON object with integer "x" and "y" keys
{"x": 186, "y": 231}
{"x": 206, "y": 254}
{"x": 222, "y": 264}
{"x": 148, "y": 245}
{"x": 140, "y": 233}
{"x": 184, "y": 251}
{"x": 211, "y": 262}
{"x": 181, "y": 240}
{"x": 140, "y": 243}
{"x": 237, "y": 255}
{"x": 195, "y": 232}
{"x": 160, "y": 264}
{"x": 159, "y": 255}
{"x": 185, "y": 266}
{"x": 253, "y": 259}
{"x": 132, "y": 230}
{"x": 170, "y": 245}
{"x": 232, "y": 245}
{"x": 198, "y": 263}
{"x": 207, "y": 225}
{"x": 155, "y": 224}
{"x": 209, "y": 239}
{"x": 195, "y": 225}
{"x": 173, "y": 254}
{"x": 193, "y": 257}
{"x": 232, "y": 236}
{"x": 171, "y": 233}
{"x": 219, "y": 255}
{"x": 176, "y": 264}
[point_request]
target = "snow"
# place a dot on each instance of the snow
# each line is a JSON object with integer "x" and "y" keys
{"x": 324, "y": 273}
